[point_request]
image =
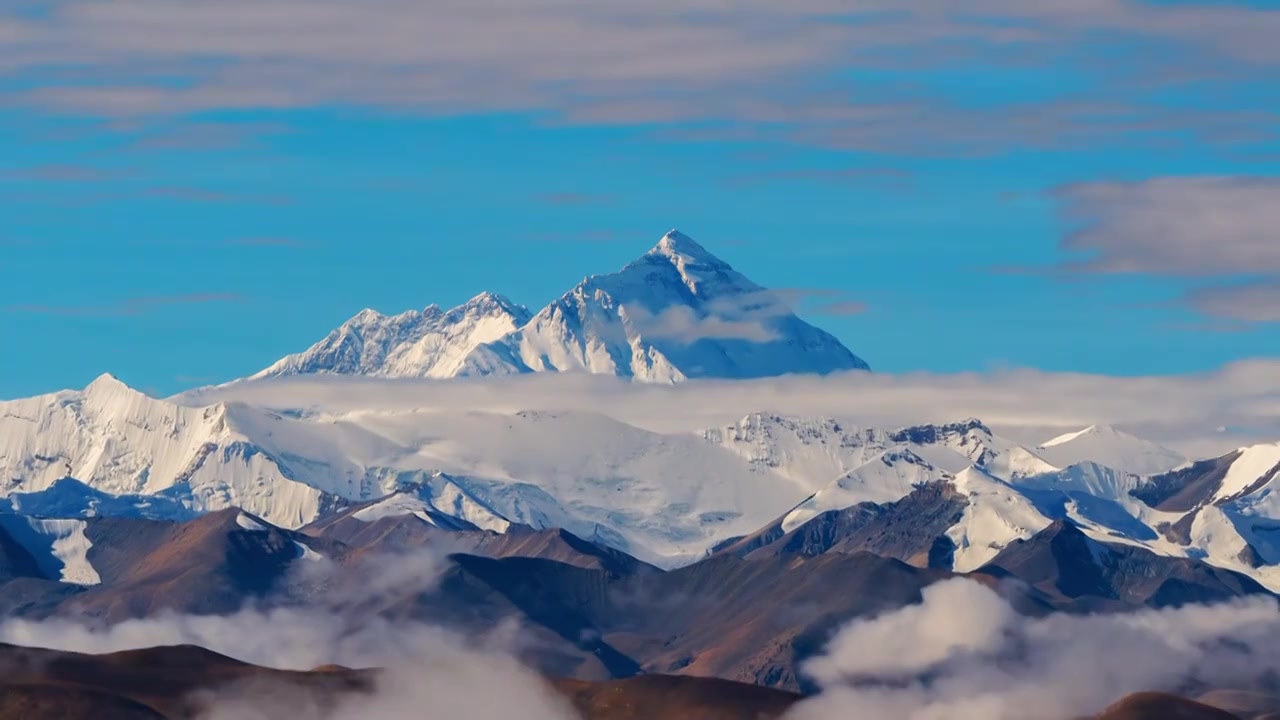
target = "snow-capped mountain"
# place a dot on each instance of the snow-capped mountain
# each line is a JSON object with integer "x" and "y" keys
{"x": 995, "y": 516}
{"x": 1112, "y": 448}
{"x": 121, "y": 443}
{"x": 666, "y": 497}
{"x": 430, "y": 344}
{"x": 660, "y": 496}
{"x": 58, "y": 548}
{"x": 889, "y": 477}
{"x": 805, "y": 448}
{"x": 676, "y": 313}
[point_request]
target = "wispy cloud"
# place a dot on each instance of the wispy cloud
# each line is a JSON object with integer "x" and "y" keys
{"x": 759, "y": 67}
{"x": 574, "y": 198}
{"x": 845, "y": 307}
{"x": 125, "y": 308}
{"x": 584, "y": 236}
{"x": 1180, "y": 226}
{"x": 187, "y": 193}
{"x": 887, "y": 177}
{"x": 1257, "y": 302}
{"x": 204, "y": 136}
{"x": 1220, "y": 228}
{"x": 282, "y": 242}
{"x": 65, "y": 173}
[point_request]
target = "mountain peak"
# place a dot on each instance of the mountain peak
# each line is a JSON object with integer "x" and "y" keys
{"x": 1111, "y": 448}
{"x": 108, "y": 391}
{"x": 676, "y": 312}
{"x": 1097, "y": 431}
{"x": 106, "y": 383}
{"x": 487, "y": 302}
{"x": 692, "y": 261}
{"x": 676, "y": 243}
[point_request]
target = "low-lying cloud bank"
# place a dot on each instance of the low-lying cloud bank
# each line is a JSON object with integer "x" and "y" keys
{"x": 428, "y": 669}
{"x": 962, "y": 654}
{"x": 1201, "y": 415}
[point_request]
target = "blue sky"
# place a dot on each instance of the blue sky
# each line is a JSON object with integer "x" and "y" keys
{"x": 189, "y": 194}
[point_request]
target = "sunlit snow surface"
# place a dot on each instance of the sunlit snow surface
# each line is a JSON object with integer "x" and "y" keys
{"x": 638, "y": 476}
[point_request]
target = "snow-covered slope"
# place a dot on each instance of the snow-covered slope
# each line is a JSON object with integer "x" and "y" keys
{"x": 58, "y": 546}
{"x": 676, "y": 313}
{"x": 890, "y": 476}
{"x": 996, "y": 516}
{"x": 1104, "y": 445}
{"x": 120, "y": 442}
{"x": 808, "y": 448}
{"x": 664, "y": 497}
{"x": 430, "y": 344}
{"x": 661, "y": 497}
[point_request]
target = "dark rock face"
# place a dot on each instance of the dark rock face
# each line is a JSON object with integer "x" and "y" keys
{"x": 931, "y": 434}
{"x": 180, "y": 683}
{"x": 184, "y": 682}
{"x": 753, "y": 612}
{"x": 1186, "y": 489}
{"x": 1062, "y": 561}
{"x": 911, "y": 530}
{"x": 1162, "y": 706}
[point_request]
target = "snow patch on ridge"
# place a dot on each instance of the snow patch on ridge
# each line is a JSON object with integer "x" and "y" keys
{"x": 997, "y": 515}
{"x": 248, "y": 523}
{"x": 59, "y": 547}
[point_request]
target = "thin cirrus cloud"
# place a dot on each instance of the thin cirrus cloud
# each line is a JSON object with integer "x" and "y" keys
{"x": 1221, "y": 232}
{"x": 279, "y": 242}
{"x": 670, "y": 61}
{"x": 843, "y": 308}
{"x": 885, "y": 177}
{"x": 1180, "y": 226}
{"x": 188, "y": 193}
{"x": 583, "y": 236}
{"x": 204, "y": 136}
{"x": 574, "y": 198}
{"x": 125, "y": 308}
{"x": 64, "y": 174}
{"x": 1257, "y": 302}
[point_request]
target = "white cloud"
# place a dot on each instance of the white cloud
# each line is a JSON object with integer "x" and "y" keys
{"x": 744, "y": 316}
{"x": 683, "y": 324}
{"x": 983, "y": 661}
{"x": 1253, "y": 302}
{"x": 1184, "y": 226}
{"x": 1184, "y": 411}
{"x": 750, "y": 61}
{"x": 428, "y": 666}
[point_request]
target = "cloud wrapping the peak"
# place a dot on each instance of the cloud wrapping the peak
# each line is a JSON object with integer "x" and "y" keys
{"x": 683, "y": 324}
{"x": 743, "y": 316}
